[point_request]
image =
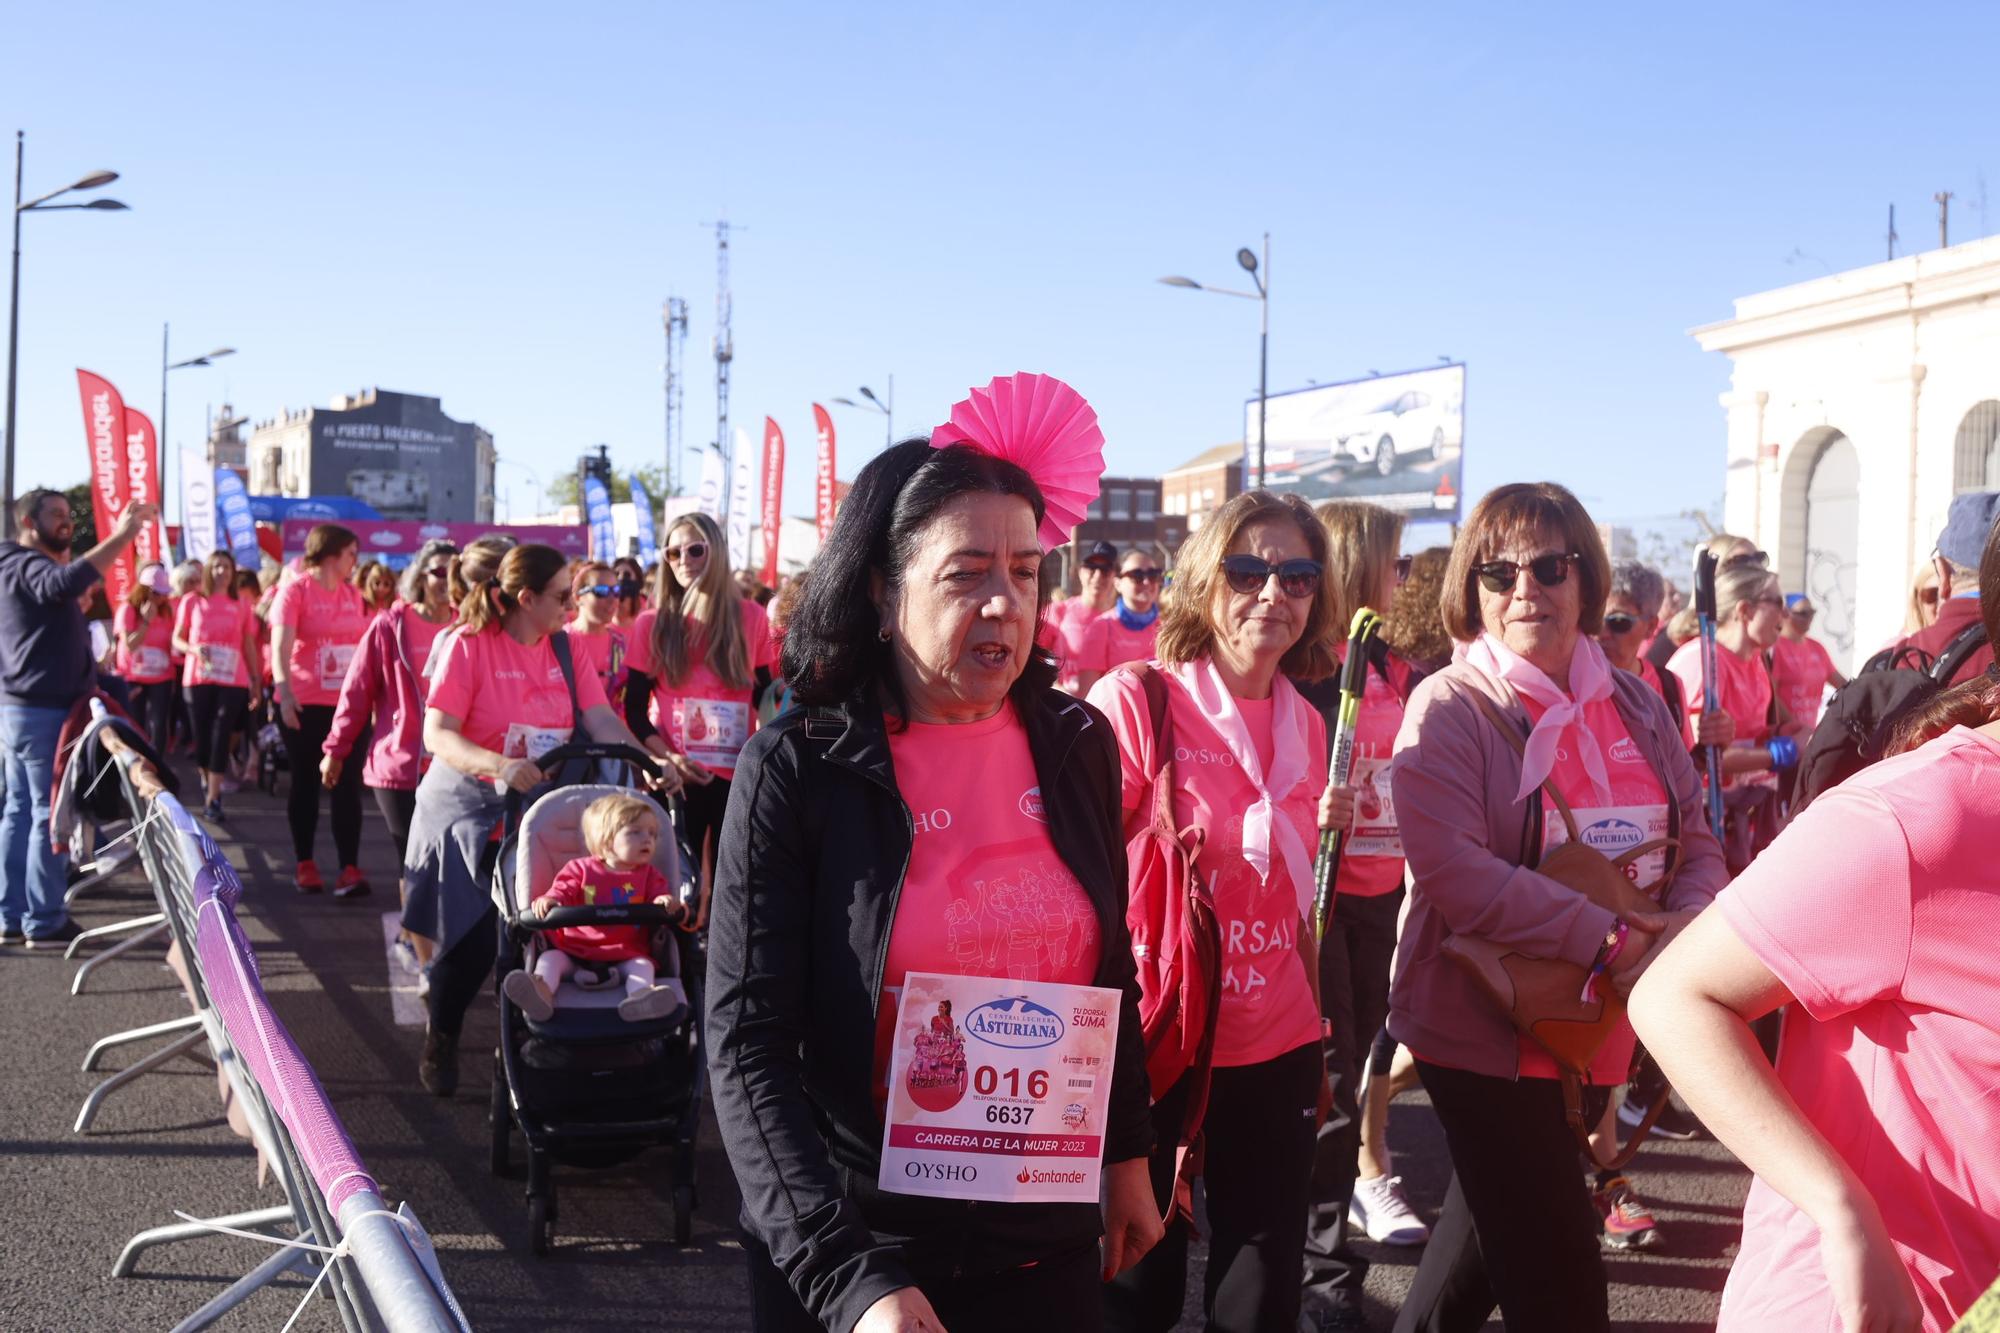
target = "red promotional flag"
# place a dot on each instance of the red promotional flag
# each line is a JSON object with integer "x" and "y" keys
{"x": 104, "y": 439}
{"x": 774, "y": 495}
{"x": 823, "y": 508}
{"x": 142, "y": 486}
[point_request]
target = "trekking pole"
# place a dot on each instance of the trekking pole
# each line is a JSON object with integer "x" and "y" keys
{"x": 1704, "y": 606}
{"x": 1353, "y": 681}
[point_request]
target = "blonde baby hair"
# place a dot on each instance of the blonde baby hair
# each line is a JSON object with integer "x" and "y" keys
{"x": 605, "y": 817}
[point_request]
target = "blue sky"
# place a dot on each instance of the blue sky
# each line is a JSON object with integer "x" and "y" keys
{"x": 488, "y": 203}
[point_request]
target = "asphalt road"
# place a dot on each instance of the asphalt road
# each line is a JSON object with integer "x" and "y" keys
{"x": 162, "y": 1144}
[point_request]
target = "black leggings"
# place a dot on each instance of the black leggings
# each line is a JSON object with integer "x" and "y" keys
{"x": 153, "y": 710}
{"x": 303, "y": 750}
{"x": 459, "y": 973}
{"x": 398, "y": 807}
{"x": 1518, "y": 1229}
{"x": 1258, "y": 1137}
{"x": 215, "y": 711}
{"x": 701, "y": 814}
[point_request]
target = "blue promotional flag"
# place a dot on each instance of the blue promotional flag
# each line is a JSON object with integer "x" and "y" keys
{"x": 232, "y": 511}
{"x": 642, "y": 513}
{"x": 597, "y": 507}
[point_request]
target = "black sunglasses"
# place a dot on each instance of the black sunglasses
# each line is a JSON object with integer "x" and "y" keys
{"x": 1141, "y": 574}
{"x": 1742, "y": 558}
{"x": 1247, "y": 575}
{"x": 1549, "y": 570}
{"x": 1617, "y": 622}
{"x": 598, "y": 589}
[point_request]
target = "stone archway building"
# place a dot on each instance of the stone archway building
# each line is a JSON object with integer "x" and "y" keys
{"x": 1860, "y": 403}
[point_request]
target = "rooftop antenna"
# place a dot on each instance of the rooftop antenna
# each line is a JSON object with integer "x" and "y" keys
{"x": 725, "y": 352}
{"x": 674, "y": 315}
{"x": 1944, "y": 198}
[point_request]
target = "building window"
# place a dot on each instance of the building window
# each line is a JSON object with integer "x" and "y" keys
{"x": 1096, "y": 509}
{"x": 1976, "y": 456}
{"x": 1120, "y": 503}
{"x": 1148, "y": 504}
{"x": 1207, "y": 498}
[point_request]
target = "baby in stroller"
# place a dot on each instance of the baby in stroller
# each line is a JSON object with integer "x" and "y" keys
{"x": 622, "y": 832}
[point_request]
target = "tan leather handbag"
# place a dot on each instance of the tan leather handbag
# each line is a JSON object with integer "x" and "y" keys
{"x": 1543, "y": 997}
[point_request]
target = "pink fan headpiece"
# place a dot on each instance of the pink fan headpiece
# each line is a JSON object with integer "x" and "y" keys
{"x": 1044, "y": 427}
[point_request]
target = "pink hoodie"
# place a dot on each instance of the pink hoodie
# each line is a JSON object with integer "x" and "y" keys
{"x": 384, "y": 686}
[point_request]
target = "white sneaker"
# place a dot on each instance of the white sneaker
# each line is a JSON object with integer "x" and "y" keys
{"x": 1380, "y": 1209}
{"x": 406, "y": 956}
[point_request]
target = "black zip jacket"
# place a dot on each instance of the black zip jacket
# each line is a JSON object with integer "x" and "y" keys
{"x": 813, "y": 853}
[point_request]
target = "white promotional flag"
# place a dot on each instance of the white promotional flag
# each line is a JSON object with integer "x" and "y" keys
{"x": 713, "y": 473}
{"x": 197, "y": 506}
{"x": 739, "y": 504}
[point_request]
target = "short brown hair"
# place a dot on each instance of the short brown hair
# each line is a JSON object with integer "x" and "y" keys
{"x": 1524, "y": 510}
{"x": 1187, "y": 626}
{"x": 326, "y": 541}
{"x": 606, "y": 816}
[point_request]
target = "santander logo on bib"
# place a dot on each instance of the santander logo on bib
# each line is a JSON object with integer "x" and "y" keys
{"x": 1623, "y": 751}
{"x": 1031, "y": 805}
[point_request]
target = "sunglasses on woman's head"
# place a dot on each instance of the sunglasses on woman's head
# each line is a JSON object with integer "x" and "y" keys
{"x": 1742, "y": 558}
{"x": 1142, "y": 574}
{"x": 1549, "y": 570}
{"x": 1617, "y": 622}
{"x": 1247, "y": 575}
{"x": 692, "y": 551}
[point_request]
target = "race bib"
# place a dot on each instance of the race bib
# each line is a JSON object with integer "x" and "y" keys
{"x": 1375, "y": 832}
{"x": 525, "y": 742}
{"x": 151, "y": 661}
{"x": 712, "y": 731}
{"x": 998, "y": 1089}
{"x": 333, "y": 660}
{"x": 218, "y": 668}
{"x": 1615, "y": 830}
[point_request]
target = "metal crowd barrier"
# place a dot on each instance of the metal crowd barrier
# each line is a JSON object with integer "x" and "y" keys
{"x": 377, "y": 1264}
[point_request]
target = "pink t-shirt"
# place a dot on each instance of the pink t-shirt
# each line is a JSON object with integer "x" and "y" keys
{"x": 153, "y": 660}
{"x": 509, "y": 697}
{"x": 329, "y": 624}
{"x": 1267, "y": 1000}
{"x": 703, "y": 718}
{"x": 217, "y": 624}
{"x": 1108, "y": 644}
{"x": 421, "y": 634}
{"x": 1066, "y": 621}
{"x": 1876, "y": 910}
{"x": 587, "y": 881}
{"x": 1371, "y": 856}
{"x": 1743, "y": 689}
{"x": 985, "y": 894}
{"x": 1636, "y": 813}
{"x": 1800, "y": 670}
{"x": 605, "y": 652}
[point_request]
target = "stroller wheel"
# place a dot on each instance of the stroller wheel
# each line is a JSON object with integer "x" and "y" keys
{"x": 683, "y": 1214}
{"x": 503, "y": 1125}
{"x": 539, "y": 1225}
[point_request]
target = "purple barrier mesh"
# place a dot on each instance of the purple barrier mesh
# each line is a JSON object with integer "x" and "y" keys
{"x": 229, "y": 967}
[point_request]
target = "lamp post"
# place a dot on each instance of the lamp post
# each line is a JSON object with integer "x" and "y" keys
{"x": 202, "y": 360}
{"x": 874, "y": 404}
{"x": 1246, "y": 258}
{"x": 40, "y": 204}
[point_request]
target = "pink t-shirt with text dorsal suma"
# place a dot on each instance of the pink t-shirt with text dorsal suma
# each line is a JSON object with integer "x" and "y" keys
{"x": 329, "y": 623}
{"x": 702, "y": 717}
{"x": 985, "y": 894}
{"x": 1267, "y": 1000}
{"x": 510, "y": 697}
{"x": 1876, "y": 909}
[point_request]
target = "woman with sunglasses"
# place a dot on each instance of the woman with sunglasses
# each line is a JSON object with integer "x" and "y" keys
{"x": 699, "y": 664}
{"x": 1749, "y": 611}
{"x": 631, "y": 581}
{"x": 1524, "y": 596}
{"x": 1126, "y": 632}
{"x": 595, "y": 637}
{"x": 221, "y": 641}
{"x": 1250, "y": 610}
{"x": 384, "y": 696}
{"x": 1065, "y": 623}
{"x": 1364, "y": 571}
{"x": 501, "y": 698}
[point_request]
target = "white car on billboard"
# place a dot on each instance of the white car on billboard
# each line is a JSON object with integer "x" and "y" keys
{"x": 1412, "y": 424}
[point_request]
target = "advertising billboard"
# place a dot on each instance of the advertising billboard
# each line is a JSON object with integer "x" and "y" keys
{"x": 396, "y": 542}
{"x": 400, "y": 455}
{"x": 1393, "y": 440}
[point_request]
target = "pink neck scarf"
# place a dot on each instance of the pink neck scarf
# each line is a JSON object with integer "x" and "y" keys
{"x": 1261, "y": 822}
{"x": 1562, "y": 722}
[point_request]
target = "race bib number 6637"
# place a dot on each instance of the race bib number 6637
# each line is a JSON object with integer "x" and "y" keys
{"x": 998, "y": 1089}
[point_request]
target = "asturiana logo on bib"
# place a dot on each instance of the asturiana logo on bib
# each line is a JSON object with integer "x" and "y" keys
{"x": 1623, "y": 751}
{"x": 1031, "y": 805}
{"x": 1614, "y": 835}
{"x": 1015, "y": 1023}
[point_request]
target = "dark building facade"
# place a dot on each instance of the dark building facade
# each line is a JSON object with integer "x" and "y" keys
{"x": 397, "y": 452}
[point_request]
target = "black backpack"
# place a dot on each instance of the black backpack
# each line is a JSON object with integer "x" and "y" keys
{"x": 1863, "y": 713}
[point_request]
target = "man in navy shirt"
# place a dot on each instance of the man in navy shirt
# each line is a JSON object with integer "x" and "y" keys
{"x": 45, "y": 667}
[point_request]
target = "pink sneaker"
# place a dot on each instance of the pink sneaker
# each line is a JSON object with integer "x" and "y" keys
{"x": 1627, "y": 1224}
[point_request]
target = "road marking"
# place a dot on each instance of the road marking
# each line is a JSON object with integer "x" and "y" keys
{"x": 403, "y": 1000}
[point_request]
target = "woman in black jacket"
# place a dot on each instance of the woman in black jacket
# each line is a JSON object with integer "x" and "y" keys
{"x": 860, "y": 845}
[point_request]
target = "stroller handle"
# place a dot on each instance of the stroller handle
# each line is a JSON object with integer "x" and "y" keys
{"x": 562, "y": 754}
{"x": 603, "y": 914}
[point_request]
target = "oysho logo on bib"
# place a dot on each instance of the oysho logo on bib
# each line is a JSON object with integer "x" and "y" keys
{"x": 1624, "y": 751}
{"x": 1031, "y": 805}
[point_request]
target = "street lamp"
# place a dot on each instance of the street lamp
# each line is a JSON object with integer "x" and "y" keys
{"x": 1246, "y": 258}
{"x": 40, "y": 204}
{"x": 202, "y": 360}
{"x": 874, "y": 404}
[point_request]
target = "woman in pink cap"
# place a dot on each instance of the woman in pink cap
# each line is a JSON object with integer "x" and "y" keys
{"x": 143, "y": 627}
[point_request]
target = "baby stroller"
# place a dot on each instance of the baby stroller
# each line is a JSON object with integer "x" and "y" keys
{"x": 588, "y": 1088}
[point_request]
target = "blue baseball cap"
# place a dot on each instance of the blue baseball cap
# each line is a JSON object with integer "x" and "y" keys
{"x": 1966, "y": 527}
{"x": 1795, "y": 600}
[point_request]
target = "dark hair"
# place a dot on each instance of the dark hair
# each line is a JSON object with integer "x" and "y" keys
{"x": 833, "y": 652}
{"x": 1976, "y": 702}
{"x": 28, "y": 509}
{"x": 1525, "y": 511}
{"x": 326, "y": 541}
